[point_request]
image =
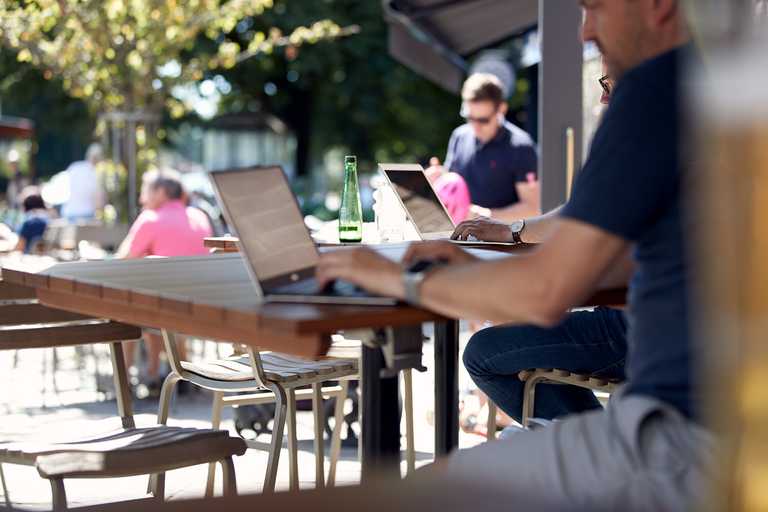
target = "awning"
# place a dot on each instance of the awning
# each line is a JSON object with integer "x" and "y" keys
{"x": 435, "y": 37}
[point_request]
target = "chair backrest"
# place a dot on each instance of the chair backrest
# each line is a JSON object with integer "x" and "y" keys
{"x": 25, "y": 323}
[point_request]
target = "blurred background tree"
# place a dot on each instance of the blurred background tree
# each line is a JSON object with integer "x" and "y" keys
{"x": 125, "y": 59}
{"x": 346, "y": 95}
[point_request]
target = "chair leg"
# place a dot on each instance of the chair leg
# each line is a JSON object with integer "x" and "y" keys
{"x": 338, "y": 416}
{"x": 293, "y": 451}
{"x": 529, "y": 397}
{"x": 166, "y": 393}
{"x": 281, "y": 407}
{"x": 491, "y": 426}
{"x": 59, "y": 495}
{"x": 6, "y": 494}
{"x": 55, "y": 366}
{"x": 228, "y": 477}
{"x": 317, "y": 409}
{"x": 157, "y": 486}
{"x": 218, "y": 404}
{"x": 410, "y": 451}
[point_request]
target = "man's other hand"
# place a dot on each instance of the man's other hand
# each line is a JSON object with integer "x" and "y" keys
{"x": 483, "y": 228}
{"x": 436, "y": 250}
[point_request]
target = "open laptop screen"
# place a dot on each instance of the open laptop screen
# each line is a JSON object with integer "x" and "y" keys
{"x": 261, "y": 208}
{"x": 420, "y": 200}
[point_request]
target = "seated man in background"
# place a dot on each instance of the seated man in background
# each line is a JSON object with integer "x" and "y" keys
{"x": 591, "y": 342}
{"x": 496, "y": 159}
{"x": 166, "y": 227}
{"x": 35, "y": 222}
{"x": 648, "y": 450}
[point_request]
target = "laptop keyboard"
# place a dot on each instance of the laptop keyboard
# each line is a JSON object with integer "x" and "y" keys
{"x": 310, "y": 287}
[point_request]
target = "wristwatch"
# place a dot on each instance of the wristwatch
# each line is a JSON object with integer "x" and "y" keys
{"x": 412, "y": 286}
{"x": 517, "y": 228}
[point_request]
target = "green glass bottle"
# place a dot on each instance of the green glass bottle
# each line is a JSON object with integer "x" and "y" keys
{"x": 350, "y": 212}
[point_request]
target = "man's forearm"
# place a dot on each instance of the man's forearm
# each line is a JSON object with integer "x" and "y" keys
{"x": 537, "y": 229}
{"x": 474, "y": 291}
{"x": 515, "y": 212}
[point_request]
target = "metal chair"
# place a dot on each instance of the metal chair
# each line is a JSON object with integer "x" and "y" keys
{"x": 269, "y": 377}
{"x": 553, "y": 376}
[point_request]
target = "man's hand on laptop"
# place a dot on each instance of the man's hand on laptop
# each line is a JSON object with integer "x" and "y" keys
{"x": 437, "y": 250}
{"x": 364, "y": 268}
{"x": 483, "y": 228}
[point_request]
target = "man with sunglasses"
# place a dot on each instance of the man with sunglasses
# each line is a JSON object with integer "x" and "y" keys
{"x": 496, "y": 158}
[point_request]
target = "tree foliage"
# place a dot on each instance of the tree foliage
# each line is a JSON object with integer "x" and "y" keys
{"x": 349, "y": 94}
{"x": 129, "y": 54}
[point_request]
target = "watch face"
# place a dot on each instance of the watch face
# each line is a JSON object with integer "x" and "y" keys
{"x": 517, "y": 226}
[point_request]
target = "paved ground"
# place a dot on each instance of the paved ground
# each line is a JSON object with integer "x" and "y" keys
{"x": 30, "y": 409}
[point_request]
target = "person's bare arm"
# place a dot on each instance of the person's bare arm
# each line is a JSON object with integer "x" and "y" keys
{"x": 529, "y": 204}
{"x": 536, "y": 288}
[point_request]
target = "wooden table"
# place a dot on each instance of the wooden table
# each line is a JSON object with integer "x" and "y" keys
{"x": 212, "y": 297}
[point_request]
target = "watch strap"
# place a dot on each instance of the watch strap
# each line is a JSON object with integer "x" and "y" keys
{"x": 520, "y": 225}
{"x": 412, "y": 287}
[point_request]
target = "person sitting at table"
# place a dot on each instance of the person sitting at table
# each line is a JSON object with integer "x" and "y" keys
{"x": 648, "y": 450}
{"x": 35, "y": 221}
{"x": 495, "y": 158}
{"x": 591, "y": 342}
{"x": 165, "y": 227}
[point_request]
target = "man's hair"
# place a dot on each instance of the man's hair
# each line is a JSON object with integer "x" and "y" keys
{"x": 483, "y": 87}
{"x": 94, "y": 153}
{"x": 168, "y": 180}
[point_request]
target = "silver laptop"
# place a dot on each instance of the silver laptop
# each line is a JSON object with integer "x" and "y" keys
{"x": 277, "y": 248}
{"x": 422, "y": 204}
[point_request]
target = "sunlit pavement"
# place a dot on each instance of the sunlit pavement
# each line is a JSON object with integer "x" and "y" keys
{"x": 31, "y": 410}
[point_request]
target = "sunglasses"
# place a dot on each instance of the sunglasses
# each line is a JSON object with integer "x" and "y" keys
{"x": 478, "y": 120}
{"x": 606, "y": 83}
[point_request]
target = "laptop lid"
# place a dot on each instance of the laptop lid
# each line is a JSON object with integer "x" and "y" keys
{"x": 418, "y": 197}
{"x": 259, "y": 205}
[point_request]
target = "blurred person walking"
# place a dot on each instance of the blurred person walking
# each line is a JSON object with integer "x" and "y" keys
{"x": 85, "y": 193}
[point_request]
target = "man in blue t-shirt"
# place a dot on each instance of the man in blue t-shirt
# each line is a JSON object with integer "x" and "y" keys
{"x": 497, "y": 159}
{"x": 647, "y": 450}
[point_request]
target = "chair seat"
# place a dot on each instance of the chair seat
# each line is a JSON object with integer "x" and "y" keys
{"x": 277, "y": 368}
{"x": 125, "y": 452}
{"x": 565, "y": 377}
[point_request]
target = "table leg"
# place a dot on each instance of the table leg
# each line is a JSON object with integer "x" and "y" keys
{"x": 379, "y": 419}
{"x": 446, "y": 387}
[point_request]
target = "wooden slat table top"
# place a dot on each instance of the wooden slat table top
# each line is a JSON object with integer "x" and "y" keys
{"x": 210, "y": 296}
{"x": 230, "y": 244}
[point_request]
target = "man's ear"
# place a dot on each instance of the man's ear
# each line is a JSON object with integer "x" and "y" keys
{"x": 663, "y": 12}
{"x": 503, "y": 108}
